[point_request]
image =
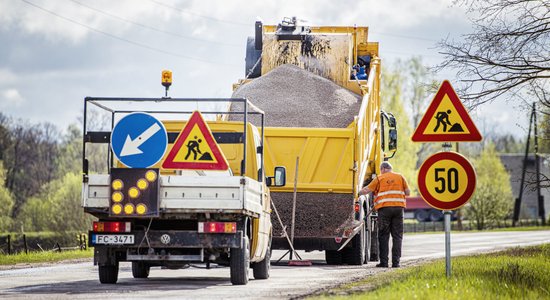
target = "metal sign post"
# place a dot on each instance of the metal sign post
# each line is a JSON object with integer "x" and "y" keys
{"x": 447, "y": 219}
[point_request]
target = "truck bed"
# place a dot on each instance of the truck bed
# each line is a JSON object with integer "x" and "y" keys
{"x": 187, "y": 194}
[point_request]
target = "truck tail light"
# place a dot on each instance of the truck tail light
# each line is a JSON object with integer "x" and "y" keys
{"x": 112, "y": 227}
{"x": 357, "y": 207}
{"x": 217, "y": 227}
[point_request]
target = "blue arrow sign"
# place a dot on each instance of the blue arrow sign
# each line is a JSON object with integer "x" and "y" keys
{"x": 139, "y": 140}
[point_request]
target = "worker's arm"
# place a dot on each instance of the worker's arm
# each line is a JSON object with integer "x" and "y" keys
{"x": 407, "y": 192}
{"x": 364, "y": 191}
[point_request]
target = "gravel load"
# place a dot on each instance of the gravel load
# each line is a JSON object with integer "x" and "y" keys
{"x": 317, "y": 214}
{"x": 293, "y": 97}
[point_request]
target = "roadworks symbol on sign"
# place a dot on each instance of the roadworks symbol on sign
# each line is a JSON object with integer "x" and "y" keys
{"x": 446, "y": 120}
{"x": 195, "y": 148}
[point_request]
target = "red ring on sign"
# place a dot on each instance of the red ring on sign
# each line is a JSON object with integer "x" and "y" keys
{"x": 470, "y": 173}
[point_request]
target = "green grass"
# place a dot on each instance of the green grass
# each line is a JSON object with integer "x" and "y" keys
{"x": 46, "y": 256}
{"x": 519, "y": 273}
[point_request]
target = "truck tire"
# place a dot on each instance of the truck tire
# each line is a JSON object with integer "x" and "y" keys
{"x": 108, "y": 273}
{"x": 239, "y": 263}
{"x": 356, "y": 254}
{"x": 333, "y": 257}
{"x": 140, "y": 269}
{"x": 436, "y": 215}
{"x": 374, "y": 240}
{"x": 261, "y": 269}
{"x": 421, "y": 215}
{"x": 367, "y": 245}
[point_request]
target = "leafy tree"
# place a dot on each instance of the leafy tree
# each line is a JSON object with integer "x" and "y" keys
{"x": 6, "y": 204}
{"x": 57, "y": 207}
{"x": 30, "y": 159}
{"x": 405, "y": 158}
{"x": 492, "y": 201}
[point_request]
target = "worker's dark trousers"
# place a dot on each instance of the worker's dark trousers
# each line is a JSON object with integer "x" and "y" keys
{"x": 390, "y": 220}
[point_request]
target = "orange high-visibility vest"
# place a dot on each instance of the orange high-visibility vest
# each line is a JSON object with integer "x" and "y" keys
{"x": 389, "y": 190}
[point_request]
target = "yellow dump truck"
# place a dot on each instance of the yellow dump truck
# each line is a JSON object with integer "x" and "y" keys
{"x": 329, "y": 152}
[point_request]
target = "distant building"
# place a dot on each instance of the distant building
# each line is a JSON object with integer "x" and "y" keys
{"x": 529, "y": 204}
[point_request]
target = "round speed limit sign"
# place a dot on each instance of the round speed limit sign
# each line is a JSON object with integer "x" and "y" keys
{"x": 446, "y": 180}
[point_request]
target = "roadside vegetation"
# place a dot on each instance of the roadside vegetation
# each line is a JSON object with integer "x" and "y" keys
{"x": 45, "y": 256}
{"x": 518, "y": 273}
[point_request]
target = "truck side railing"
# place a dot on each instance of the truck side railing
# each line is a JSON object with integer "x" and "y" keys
{"x": 366, "y": 128}
{"x": 106, "y": 104}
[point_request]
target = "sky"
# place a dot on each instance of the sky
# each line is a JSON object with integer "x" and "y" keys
{"x": 55, "y": 53}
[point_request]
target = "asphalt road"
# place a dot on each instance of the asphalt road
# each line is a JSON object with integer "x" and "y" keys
{"x": 80, "y": 280}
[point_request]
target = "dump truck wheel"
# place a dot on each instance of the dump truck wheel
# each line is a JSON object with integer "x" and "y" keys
{"x": 108, "y": 273}
{"x": 140, "y": 269}
{"x": 367, "y": 246}
{"x": 333, "y": 257}
{"x": 356, "y": 254}
{"x": 261, "y": 269}
{"x": 239, "y": 263}
{"x": 374, "y": 241}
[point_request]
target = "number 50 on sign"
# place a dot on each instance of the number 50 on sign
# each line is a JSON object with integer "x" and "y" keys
{"x": 446, "y": 180}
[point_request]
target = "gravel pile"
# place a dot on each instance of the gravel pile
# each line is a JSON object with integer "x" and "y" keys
{"x": 317, "y": 214}
{"x": 293, "y": 97}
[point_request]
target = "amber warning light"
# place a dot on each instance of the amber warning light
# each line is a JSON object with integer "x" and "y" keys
{"x": 166, "y": 80}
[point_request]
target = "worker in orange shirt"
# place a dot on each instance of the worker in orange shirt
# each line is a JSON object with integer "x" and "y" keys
{"x": 389, "y": 191}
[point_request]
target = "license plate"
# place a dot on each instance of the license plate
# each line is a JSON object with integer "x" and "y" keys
{"x": 113, "y": 239}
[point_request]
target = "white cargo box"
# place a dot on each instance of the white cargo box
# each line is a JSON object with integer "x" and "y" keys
{"x": 188, "y": 194}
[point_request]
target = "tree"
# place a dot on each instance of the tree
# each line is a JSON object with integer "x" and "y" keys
{"x": 30, "y": 160}
{"x": 492, "y": 201}
{"x": 406, "y": 157}
{"x": 6, "y": 204}
{"x": 507, "y": 55}
{"x": 57, "y": 207}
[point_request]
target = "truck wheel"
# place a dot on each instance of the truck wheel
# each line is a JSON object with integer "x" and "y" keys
{"x": 261, "y": 269}
{"x": 367, "y": 246}
{"x": 374, "y": 241}
{"x": 108, "y": 273}
{"x": 333, "y": 257}
{"x": 421, "y": 215}
{"x": 239, "y": 263}
{"x": 140, "y": 269}
{"x": 436, "y": 215}
{"x": 356, "y": 254}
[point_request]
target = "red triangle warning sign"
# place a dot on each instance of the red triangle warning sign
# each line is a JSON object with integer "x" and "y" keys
{"x": 446, "y": 120}
{"x": 201, "y": 152}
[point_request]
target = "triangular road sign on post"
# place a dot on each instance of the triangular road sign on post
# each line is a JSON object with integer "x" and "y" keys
{"x": 201, "y": 152}
{"x": 446, "y": 120}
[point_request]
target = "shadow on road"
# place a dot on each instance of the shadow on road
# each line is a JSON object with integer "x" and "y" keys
{"x": 124, "y": 285}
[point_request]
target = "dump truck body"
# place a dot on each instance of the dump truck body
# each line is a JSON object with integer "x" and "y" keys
{"x": 337, "y": 140}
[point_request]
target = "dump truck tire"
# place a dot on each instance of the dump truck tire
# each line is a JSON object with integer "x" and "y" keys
{"x": 367, "y": 246}
{"x": 239, "y": 263}
{"x": 261, "y": 269}
{"x": 333, "y": 257}
{"x": 355, "y": 255}
{"x": 374, "y": 241}
{"x": 140, "y": 269}
{"x": 108, "y": 274}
